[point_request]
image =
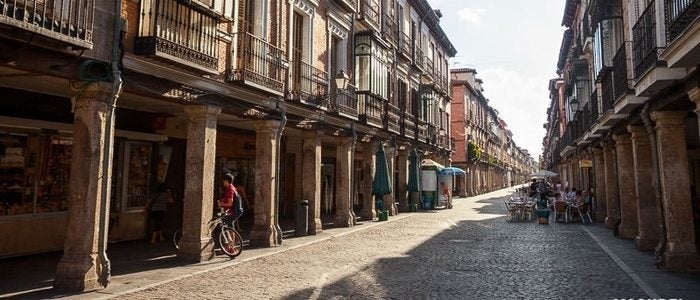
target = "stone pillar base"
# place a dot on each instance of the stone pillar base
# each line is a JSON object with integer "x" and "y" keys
{"x": 610, "y": 222}
{"x": 344, "y": 220}
{"x": 645, "y": 244}
{"x": 315, "y": 227}
{"x": 78, "y": 275}
{"x": 368, "y": 215}
{"x": 681, "y": 262}
{"x": 197, "y": 251}
{"x": 626, "y": 232}
{"x": 265, "y": 236}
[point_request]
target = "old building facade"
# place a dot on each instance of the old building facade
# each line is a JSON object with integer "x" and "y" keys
{"x": 106, "y": 101}
{"x": 484, "y": 146}
{"x": 623, "y": 120}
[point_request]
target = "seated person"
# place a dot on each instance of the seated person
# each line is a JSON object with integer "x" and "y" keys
{"x": 571, "y": 195}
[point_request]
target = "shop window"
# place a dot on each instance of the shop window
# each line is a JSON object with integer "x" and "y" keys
{"x": 34, "y": 172}
{"x": 136, "y": 186}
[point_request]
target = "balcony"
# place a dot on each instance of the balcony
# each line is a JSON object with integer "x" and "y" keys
{"x": 607, "y": 94}
{"x": 409, "y": 126}
{"x": 392, "y": 118}
{"x": 621, "y": 86}
{"x": 645, "y": 46}
{"x": 390, "y": 29}
{"x": 679, "y": 15}
{"x": 443, "y": 142}
{"x": 345, "y": 103}
{"x": 428, "y": 67}
{"x": 682, "y": 33}
{"x": 369, "y": 14}
{"x": 371, "y": 108}
{"x": 418, "y": 57}
{"x": 173, "y": 33}
{"x": 422, "y": 131}
{"x": 259, "y": 64}
{"x": 595, "y": 113}
{"x": 349, "y": 5}
{"x": 66, "y": 21}
{"x": 404, "y": 47}
{"x": 309, "y": 84}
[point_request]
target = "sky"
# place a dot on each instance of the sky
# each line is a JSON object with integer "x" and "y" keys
{"x": 514, "y": 47}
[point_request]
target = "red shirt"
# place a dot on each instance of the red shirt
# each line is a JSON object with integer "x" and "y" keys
{"x": 230, "y": 196}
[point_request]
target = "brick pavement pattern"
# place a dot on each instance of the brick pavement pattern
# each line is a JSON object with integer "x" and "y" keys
{"x": 469, "y": 252}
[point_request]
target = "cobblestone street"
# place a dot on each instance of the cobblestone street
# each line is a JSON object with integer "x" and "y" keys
{"x": 468, "y": 252}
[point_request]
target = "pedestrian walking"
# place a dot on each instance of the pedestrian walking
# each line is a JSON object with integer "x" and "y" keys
{"x": 157, "y": 208}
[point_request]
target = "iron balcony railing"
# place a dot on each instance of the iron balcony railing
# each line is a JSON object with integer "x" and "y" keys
{"x": 371, "y": 108}
{"x": 679, "y": 15}
{"x": 346, "y": 102}
{"x": 644, "y": 42}
{"x": 409, "y": 125}
{"x": 259, "y": 63}
{"x": 607, "y": 90}
{"x": 369, "y": 12}
{"x": 69, "y": 21}
{"x": 621, "y": 86}
{"x": 405, "y": 45}
{"x": 392, "y": 118}
{"x": 390, "y": 29}
{"x": 422, "y": 129}
{"x": 595, "y": 113}
{"x": 350, "y": 4}
{"x": 174, "y": 32}
{"x": 428, "y": 67}
{"x": 418, "y": 57}
{"x": 309, "y": 84}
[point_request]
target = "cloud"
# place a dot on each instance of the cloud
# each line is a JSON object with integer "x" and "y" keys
{"x": 471, "y": 15}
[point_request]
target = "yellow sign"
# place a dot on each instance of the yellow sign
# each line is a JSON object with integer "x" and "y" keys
{"x": 585, "y": 163}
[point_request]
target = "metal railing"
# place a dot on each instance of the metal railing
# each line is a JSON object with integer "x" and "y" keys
{"x": 309, "y": 84}
{"x": 392, "y": 118}
{"x": 405, "y": 44}
{"x": 422, "y": 129}
{"x": 679, "y": 15}
{"x": 621, "y": 86}
{"x": 371, "y": 108}
{"x": 369, "y": 12}
{"x": 346, "y": 102}
{"x": 70, "y": 21}
{"x": 409, "y": 125}
{"x": 259, "y": 62}
{"x": 595, "y": 113}
{"x": 418, "y": 57}
{"x": 607, "y": 90}
{"x": 428, "y": 67}
{"x": 390, "y": 29}
{"x": 644, "y": 47}
{"x": 178, "y": 32}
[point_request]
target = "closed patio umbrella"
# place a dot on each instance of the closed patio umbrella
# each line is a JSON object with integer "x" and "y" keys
{"x": 381, "y": 185}
{"x": 413, "y": 171}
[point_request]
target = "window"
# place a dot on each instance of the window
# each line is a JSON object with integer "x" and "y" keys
{"x": 372, "y": 67}
{"x": 608, "y": 37}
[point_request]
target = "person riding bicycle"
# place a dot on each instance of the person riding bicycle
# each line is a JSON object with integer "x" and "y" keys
{"x": 231, "y": 203}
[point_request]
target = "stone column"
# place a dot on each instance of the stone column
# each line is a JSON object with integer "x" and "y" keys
{"x": 266, "y": 231}
{"x": 311, "y": 178}
{"x": 80, "y": 267}
{"x": 390, "y": 199}
{"x": 681, "y": 253}
{"x": 344, "y": 217}
{"x": 368, "y": 157}
{"x": 599, "y": 172}
{"x": 199, "y": 183}
{"x": 402, "y": 185}
{"x": 611, "y": 191}
{"x": 628, "y": 228}
{"x": 648, "y": 230}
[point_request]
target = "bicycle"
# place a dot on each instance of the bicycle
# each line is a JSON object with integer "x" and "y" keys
{"x": 221, "y": 233}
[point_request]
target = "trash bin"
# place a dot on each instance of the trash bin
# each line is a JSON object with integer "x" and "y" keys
{"x": 302, "y": 227}
{"x": 412, "y": 207}
{"x": 383, "y": 215}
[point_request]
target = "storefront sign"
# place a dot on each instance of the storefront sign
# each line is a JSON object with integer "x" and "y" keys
{"x": 585, "y": 163}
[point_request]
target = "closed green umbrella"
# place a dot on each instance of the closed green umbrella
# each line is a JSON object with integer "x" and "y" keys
{"x": 381, "y": 185}
{"x": 413, "y": 172}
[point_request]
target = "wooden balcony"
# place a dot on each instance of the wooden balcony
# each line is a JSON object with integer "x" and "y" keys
{"x": 404, "y": 48}
{"x": 408, "y": 126}
{"x": 369, "y": 13}
{"x": 259, "y": 64}
{"x": 345, "y": 103}
{"x": 174, "y": 33}
{"x": 309, "y": 85}
{"x": 65, "y": 21}
{"x": 392, "y": 118}
{"x": 371, "y": 109}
